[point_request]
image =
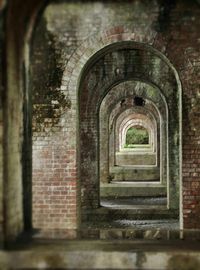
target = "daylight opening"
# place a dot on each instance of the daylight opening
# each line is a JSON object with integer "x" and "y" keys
{"x": 136, "y": 136}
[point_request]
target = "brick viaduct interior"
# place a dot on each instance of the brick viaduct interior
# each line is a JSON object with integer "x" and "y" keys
{"x": 75, "y": 77}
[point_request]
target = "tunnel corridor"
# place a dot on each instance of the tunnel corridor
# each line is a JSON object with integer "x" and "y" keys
{"x": 99, "y": 134}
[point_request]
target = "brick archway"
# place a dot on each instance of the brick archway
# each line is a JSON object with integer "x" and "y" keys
{"x": 110, "y": 113}
{"x": 92, "y": 90}
{"x": 136, "y": 120}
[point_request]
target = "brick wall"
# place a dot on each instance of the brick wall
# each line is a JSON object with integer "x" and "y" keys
{"x": 184, "y": 52}
{"x": 54, "y": 157}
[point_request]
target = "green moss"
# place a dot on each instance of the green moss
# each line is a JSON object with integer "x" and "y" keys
{"x": 49, "y": 102}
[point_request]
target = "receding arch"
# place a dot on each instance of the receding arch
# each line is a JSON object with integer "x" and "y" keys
{"x": 132, "y": 121}
{"x": 95, "y": 83}
{"x": 126, "y": 91}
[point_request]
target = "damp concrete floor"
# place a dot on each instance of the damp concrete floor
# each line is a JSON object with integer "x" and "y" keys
{"x": 107, "y": 254}
{"x": 128, "y": 244}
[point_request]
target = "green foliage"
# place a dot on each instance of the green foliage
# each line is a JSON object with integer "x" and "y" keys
{"x": 136, "y": 136}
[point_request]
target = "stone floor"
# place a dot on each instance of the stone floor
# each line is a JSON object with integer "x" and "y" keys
{"x": 132, "y": 202}
{"x": 165, "y": 224}
{"x": 137, "y": 214}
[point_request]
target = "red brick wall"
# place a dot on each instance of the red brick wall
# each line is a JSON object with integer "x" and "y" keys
{"x": 184, "y": 52}
{"x": 54, "y": 174}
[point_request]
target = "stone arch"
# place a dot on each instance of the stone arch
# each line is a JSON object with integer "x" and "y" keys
{"x": 88, "y": 106}
{"x": 131, "y": 121}
{"x": 143, "y": 111}
{"x": 138, "y": 125}
{"x": 157, "y": 107}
